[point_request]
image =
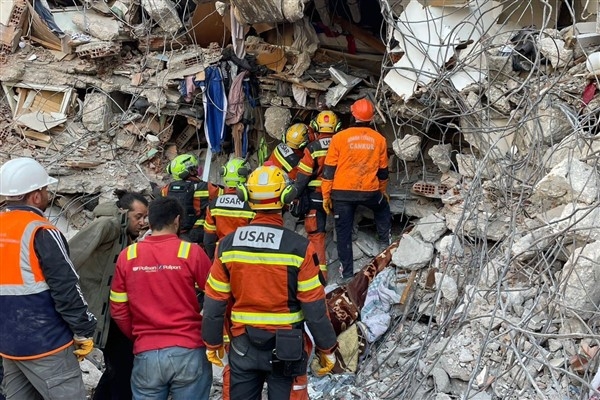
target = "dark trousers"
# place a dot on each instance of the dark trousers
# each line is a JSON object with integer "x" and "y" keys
{"x": 115, "y": 383}
{"x": 250, "y": 368}
{"x": 344, "y": 217}
{"x": 1, "y": 378}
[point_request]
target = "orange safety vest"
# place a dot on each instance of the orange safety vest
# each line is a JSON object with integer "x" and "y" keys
{"x": 22, "y": 284}
{"x": 21, "y": 272}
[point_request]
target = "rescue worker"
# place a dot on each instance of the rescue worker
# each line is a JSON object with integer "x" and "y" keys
{"x": 153, "y": 301}
{"x": 308, "y": 182}
{"x": 223, "y": 216}
{"x": 193, "y": 193}
{"x": 287, "y": 154}
{"x": 45, "y": 324}
{"x": 227, "y": 212}
{"x": 356, "y": 173}
{"x": 271, "y": 275}
{"x": 94, "y": 250}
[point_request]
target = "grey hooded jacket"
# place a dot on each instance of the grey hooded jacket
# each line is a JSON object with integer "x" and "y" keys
{"x": 94, "y": 252}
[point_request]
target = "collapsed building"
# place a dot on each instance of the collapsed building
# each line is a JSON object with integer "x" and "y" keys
{"x": 491, "y": 112}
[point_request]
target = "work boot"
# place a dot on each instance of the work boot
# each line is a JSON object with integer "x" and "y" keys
{"x": 344, "y": 281}
{"x": 381, "y": 247}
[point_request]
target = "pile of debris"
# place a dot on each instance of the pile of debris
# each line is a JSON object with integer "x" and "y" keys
{"x": 491, "y": 111}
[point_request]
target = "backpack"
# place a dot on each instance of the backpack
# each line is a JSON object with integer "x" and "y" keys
{"x": 184, "y": 192}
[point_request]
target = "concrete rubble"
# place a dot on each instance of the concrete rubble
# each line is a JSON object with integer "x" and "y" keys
{"x": 491, "y": 113}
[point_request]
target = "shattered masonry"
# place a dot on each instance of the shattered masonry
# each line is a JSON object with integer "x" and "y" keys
{"x": 491, "y": 111}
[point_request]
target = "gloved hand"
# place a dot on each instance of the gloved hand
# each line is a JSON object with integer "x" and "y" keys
{"x": 327, "y": 205}
{"x": 327, "y": 362}
{"x": 83, "y": 346}
{"x": 216, "y": 356}
{"x": 387, "y": 196}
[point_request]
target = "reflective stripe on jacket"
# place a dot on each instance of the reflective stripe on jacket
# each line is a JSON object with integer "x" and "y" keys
{"x": 271, "y": 275}
{"x": 224, "y": 214}
{"x": 153, "y": 294}
{"x": 310, "y": 167}
{"x": 227, "y": 213}
{"x": 286, "y": 158}
{"x": 30, "y": 325}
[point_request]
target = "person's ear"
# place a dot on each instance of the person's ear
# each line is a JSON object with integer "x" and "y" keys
{"x": 36, "y": 197}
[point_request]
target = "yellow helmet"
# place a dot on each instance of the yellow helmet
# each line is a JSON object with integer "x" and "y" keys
{"x": 297, "y": 136}
{"x": 265, "y": 188}
{"x": 326, "y": 121}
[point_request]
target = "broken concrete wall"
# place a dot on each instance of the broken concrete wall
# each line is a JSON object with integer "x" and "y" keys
{"x": 492, "y": 150}
{"x": 256, "y": 11}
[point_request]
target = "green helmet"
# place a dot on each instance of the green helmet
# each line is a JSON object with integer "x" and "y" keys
{"x": 235, "y": 172}
{"x": 183, "y": 166}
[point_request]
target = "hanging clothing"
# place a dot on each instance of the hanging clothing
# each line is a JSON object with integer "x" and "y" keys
{"x": 235, "y": 100}
{"x": 214, "y": 99}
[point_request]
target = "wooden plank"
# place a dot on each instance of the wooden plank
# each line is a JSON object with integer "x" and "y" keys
{"x": 272, "y": 57}
{"x": 408, "y": 288}
{"x": 38, "y": 143}
{"x": 47, "y": 101}
{"x": 82, "y": 164}
{"x": 35, "y": 135}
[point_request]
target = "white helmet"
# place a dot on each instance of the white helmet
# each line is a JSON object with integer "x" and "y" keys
{"x": 23, "y": 175}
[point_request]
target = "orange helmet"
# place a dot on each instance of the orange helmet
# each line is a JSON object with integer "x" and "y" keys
{"x": 327, "y": 122}
{"x": 362, "y": 110}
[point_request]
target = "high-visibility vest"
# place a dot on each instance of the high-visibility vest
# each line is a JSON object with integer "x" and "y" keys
{"x": 21, "y": 272}
{"x": 24, "y": 294}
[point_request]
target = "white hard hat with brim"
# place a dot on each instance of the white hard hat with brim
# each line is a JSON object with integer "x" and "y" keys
{"x": 23, "y": 175}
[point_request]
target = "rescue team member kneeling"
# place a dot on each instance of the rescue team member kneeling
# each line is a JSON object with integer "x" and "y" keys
{"x": 271, "y": 275}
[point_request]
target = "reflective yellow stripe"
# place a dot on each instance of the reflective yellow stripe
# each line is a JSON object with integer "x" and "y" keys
{"x": 219, "y": 286}
{"x": 305, "y": 168}
{"x": 184, "y": 249}
{"x": 226, "y": 339}
{"x": 319, "y": 153}
{"x": 117, "y": 297}
{"x": 262, "y": 258}
{"x": 209, "y": 227}
{"x": 220, "y": 212}
{"x": 201, "y": 193}
{"x": 323, "y": 267}
{"x": 286, "y": 165}
{"x": 310, "y": 284}
{"x": 199, "y": 222}
{"x": 132, "y": 252}
{"x": 315, "y": 183}
{"x": 267, "y": 318}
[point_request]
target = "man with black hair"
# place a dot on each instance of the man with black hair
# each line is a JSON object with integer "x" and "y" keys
{"x": 94, "y": 251}
{"x": 153, "y": 301}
